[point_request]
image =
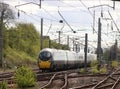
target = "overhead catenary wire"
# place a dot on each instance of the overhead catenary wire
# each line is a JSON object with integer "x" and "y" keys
{"x": 44, "y": 10}
{"x": 52, "y": 16}
{"x": 34, "y": 15}
{"x": 87, "y": 9}
{"x": 93, "y": 16}
{"x": 38, "y": 20}
{"x": 66, "y": 22}
{"x": 35, "y": 19}
{"x": 75, "y": 7}
{"x": 49, "y": 13}
{"x": 37, "y": 5}
{"x": 53, "y": 20}
{"x": 26, "y": 4}
{"x": 96, "y": 6}
{"x": 114, "y": 22}
{"x": 27, "y": 15}
{"x": 49, "y": 29}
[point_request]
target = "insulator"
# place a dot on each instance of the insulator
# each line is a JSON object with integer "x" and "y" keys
{"x": 18, "y": 14}
{"x": 111, "y": 26}
{"x": 61, "y": 21}
{"x": 101, "y": 14}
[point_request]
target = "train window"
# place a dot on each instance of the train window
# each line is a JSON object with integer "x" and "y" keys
{"x": 45, "y": 55}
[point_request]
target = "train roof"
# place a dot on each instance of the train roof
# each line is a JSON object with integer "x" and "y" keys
{"x": 52, "y": 49}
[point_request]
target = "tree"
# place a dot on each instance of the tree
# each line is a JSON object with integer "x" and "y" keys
{"x": 5, "y": 15}
{"x": 24, "y": 37}
{"x": 113, "y": 51}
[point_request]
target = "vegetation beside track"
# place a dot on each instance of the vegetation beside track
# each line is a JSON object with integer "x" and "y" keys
{"x": 22, "y": 45}
{"x": 25, "y": 77}
{"x": 3, "y": 85}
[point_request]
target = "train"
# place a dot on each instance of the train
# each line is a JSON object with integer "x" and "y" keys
{"x": 56, "y": 59}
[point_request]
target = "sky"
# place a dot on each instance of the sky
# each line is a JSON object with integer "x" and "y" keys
{"x": 78, "y": 14}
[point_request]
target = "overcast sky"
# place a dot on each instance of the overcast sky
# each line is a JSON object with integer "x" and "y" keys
{"x": 76, "y": 13}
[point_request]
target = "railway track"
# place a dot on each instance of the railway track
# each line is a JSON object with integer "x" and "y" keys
{"x": 62, "y": 79}
{"x": 6, "y": 74}
{"x": 51, "y": 84}
{"x": 47, "y": 76}
{"x": 9, "y": 76}
{"x": 112, "y": 81}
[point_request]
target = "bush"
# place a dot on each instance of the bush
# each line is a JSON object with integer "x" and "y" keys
{"x": 3, "y": 85}
{"x": 103, "y": 70}
{"x": 95, "y": 70}
{"x": 25, "y": 77}
{"x": 94, "y": 67}
{"x": 94, "y": 63}
{"x": 114, "y": 64}
{"x": 82, "y": 70}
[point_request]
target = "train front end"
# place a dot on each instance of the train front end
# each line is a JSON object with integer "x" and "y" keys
{"x": 44, "y": 60}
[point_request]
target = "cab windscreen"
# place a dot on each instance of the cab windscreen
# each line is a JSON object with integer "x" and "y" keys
{"x": 45, "y": 55}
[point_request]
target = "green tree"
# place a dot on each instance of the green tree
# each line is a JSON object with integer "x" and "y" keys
{"x": 22, "y": 43}
{"x": 6, "y": 14}
{"x": 24, "y": 38}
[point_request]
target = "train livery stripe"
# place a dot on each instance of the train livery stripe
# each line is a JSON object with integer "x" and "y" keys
{"x": 45, "y": 64}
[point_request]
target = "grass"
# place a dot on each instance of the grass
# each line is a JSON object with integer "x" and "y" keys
{"x": 3, "y": 85}
{"x": 17, "y": 58}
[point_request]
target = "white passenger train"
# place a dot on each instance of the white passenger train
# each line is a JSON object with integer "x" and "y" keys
{"x": 53, "y": 59}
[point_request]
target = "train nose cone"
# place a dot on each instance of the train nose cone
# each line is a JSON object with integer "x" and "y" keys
{"x": 45, "y": 64}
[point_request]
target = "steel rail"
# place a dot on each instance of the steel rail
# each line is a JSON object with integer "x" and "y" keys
{"x": 66, "y": 82}
{"x": 105, "y": 79}
{"x": 84, "y": 86}
{"x": 115, "y": 84}
{"x": 49, "y": 83}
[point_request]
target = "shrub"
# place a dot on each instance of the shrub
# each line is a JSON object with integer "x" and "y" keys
{"x": 103, "y": 70}
{"x": 95, "y": 70}
{"x": 25, "y": 77}
{"x": 82, "y": 70}
{"x": 114, "y": 64}
{"x": 94, "y": 63}
{"x": 3, "y": 85}
{"x": 94, "y": 67}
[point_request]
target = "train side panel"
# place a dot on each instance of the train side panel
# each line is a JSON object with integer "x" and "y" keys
{"x": 90, "y": 58}
{"x": 71, "y": 59}
{"x": 80, "y": 59}
{"x": 59, "y": 59}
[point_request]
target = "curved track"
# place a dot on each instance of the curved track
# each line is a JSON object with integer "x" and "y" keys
{"x": 51, "y": 83}
{"x": 112, "y": 81}
{"x": 62, "y": 79}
